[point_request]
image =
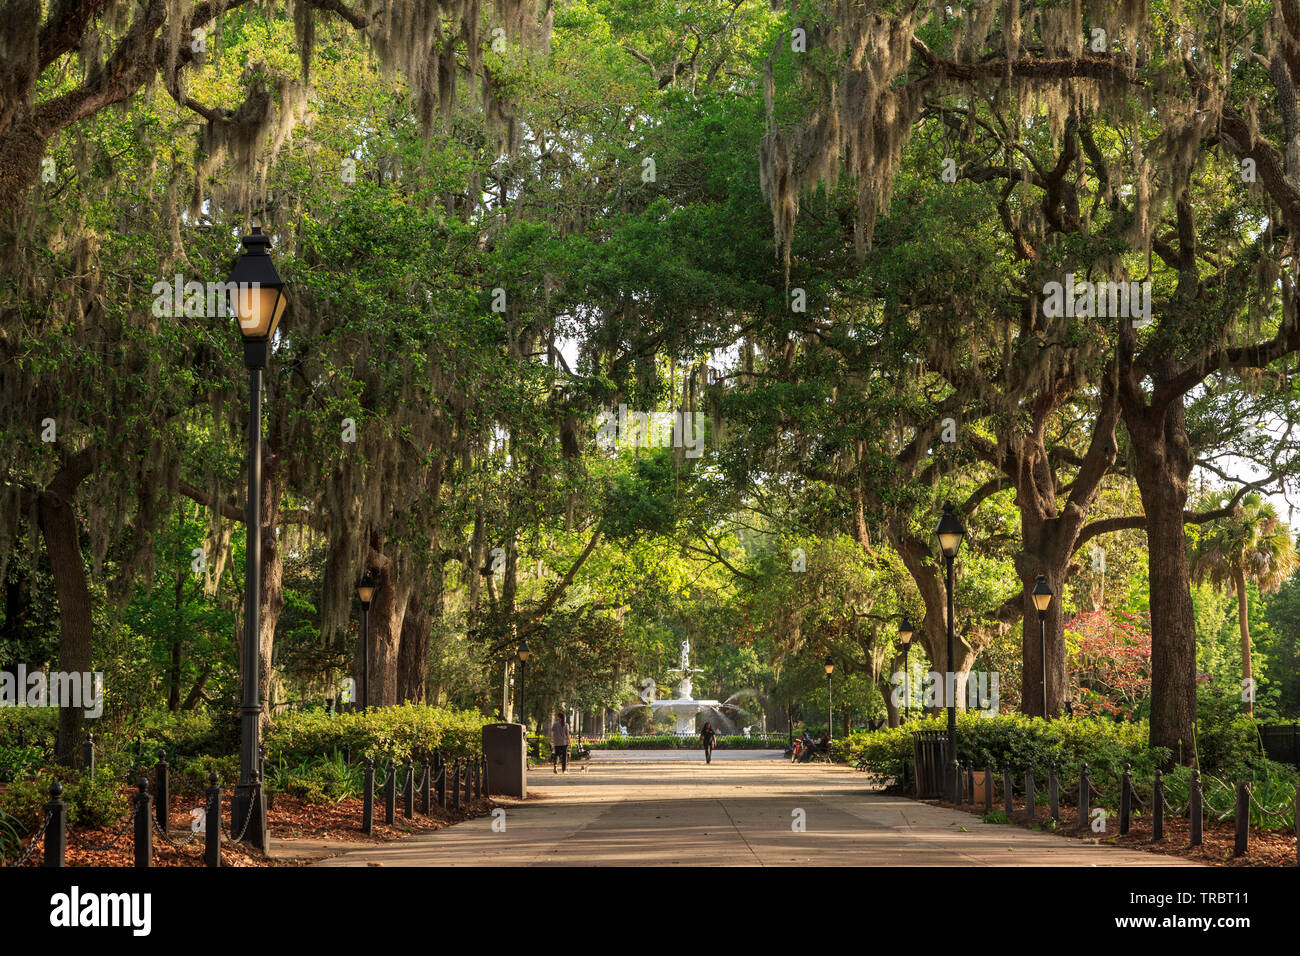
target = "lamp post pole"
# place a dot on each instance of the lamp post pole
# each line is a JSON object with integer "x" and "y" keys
{"x": 248, "y": 807}
{"x": 830, "y": 709}
{"x": 257, "y": 300}
{"x": 830, "y": 704}
{"x": 1042, "y": 655}
{"x": 1042, "y": 595}
{"x": 950, "y": 532}
{"x": 365, "y": 656}
{"x": 950, "y": 679}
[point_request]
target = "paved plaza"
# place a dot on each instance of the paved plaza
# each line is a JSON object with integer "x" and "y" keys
{"x": 747, "y": 808}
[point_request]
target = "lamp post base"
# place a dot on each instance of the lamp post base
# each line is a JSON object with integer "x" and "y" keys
{"x": 255, "y": 833}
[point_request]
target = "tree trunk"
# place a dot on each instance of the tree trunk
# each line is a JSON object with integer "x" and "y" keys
{"x": 58, "y": 520}
{"x": 1243, "y": 621}
{"x": 387, "y": 610}
{"x": 1164, "y": 462}
{"x": 413, "y": 652}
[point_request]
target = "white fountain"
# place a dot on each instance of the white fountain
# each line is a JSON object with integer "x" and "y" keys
{"x": 684, "y": 707}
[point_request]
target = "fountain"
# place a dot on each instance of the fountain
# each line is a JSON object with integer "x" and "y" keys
{"x": 684, "y": 707}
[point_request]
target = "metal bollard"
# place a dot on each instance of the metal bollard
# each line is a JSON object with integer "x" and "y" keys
{"x": 1158, "y": 808}
{"x": 455, "y": 787}
{"x": 1007, "y": 790}
{"x": 88, "y": 754}
{"x": 1085, "y": 796}
{"x": 368, "y": 801}
{"x": 1053, "y": 793}
{"x": 970, "y": 783}
{"x": 1031, "y": 807}
{"x": 1242, "y": 819}
{"x": 440, "y": 768}
{"x": 424, "y": 787}
{"x": 56, "y": 831}
{"x": 143, "y": 825}
{"x": 390, "y": 793}
{"x": 162, "y": 801}
{"x": 212, "y": 823}
{"x": 1125, "y": 799}
{"x": 408, "y": 792}
{"x": 988, "y": 786}
{"x": 954, "y": 779}
{"x": 1196, "y": 809}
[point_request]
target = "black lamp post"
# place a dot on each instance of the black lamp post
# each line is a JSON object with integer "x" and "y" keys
{"x": 257, "y": 299}
{"x": 905, "y": 638}
{"x": 830, "y": 710}
{"x": 366, "y": 593}
{"x": 524, "y": 654}
{"x": 950, "y": 532}
{"x": 1042, "y": 595}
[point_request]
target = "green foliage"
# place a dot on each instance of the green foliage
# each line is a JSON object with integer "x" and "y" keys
{"x": 96, "y": 800}
{"x": 1015, "y": 740}
{"x": 191, "y": 776}
{"x": 324, "y": 780}
{"x": 407, "y": 731}
{"x": 36, "y": 725}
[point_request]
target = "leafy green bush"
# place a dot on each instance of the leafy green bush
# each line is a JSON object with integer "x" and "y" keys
{"x": 17, "y": 761}
{"x": 36, "y": 724}
{"x": 190, "y": 776}
{"x": 96, "y": 800}
{"x": 407, "y": 731}
{"x": 1016, "y": 740}
{"x": 322, "y": 780}
{"x": 23, "y": 804}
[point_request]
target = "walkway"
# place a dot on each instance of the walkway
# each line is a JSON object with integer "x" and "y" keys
{"x": 738, "y": 811}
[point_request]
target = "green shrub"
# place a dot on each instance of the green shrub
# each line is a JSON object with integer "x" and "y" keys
{"x": 23, "y": 805}
{"x": 190, "y": 776}
{"x": 1017, "y": 740}
{"x": 37, "y": 725}
{"x": 323, "y": 780}
{"x": 412, "y": 731}
{"x": 96, "y": 800}
{"x": 17, "y": 761}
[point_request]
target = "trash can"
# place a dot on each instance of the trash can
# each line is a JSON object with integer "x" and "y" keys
{"x": 507, "y": 761}
{"x": 929, "y": 756}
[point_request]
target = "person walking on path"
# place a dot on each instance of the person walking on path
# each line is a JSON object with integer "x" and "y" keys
{"x": 560, "y": 745}
{"x": 707, "y": 736}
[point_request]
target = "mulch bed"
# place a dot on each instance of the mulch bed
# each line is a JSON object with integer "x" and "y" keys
{"x": 288, "y": 818}
{"x": 1264, "y": 848}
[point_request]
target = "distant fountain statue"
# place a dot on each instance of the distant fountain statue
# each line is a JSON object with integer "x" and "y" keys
{"x": 684, "y": 707}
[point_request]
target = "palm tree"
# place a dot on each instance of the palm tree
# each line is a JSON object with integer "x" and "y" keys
{"x": 1253, "y": 543}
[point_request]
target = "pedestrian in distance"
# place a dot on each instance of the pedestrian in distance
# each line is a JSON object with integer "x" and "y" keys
{"x": 707, "y": 737}
{"x": 560, "y": 746}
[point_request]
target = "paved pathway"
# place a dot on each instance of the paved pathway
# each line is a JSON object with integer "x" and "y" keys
{"x": 734, "y": 812}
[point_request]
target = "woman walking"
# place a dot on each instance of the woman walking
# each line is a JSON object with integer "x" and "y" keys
{"x": 707, "y": 736}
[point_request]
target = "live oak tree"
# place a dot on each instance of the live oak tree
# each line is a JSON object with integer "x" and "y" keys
{"x": 1176, "y": 103}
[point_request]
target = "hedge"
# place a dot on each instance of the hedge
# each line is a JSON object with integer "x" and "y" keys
{"x": 1105, "y": 745}
{"x": 407, "y": 731}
